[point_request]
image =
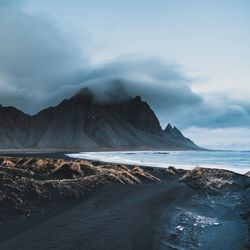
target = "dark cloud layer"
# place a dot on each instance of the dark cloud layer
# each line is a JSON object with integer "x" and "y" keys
{"x": 36, "y": 58}
{"x": 40, "y": 65}
{"x": 163, "y": 85}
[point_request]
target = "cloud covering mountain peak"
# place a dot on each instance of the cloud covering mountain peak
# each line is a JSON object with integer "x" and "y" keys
{"x": 41, "y": 63}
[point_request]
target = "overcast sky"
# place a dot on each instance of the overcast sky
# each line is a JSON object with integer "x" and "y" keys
{"x": 188, "y": 59}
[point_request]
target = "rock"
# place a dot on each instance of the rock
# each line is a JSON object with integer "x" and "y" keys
{"x": 175, "y": 136}
{"x": 86, "y": 123}
{"x": 14, "y": 126}
{"x": 141, "y": 116}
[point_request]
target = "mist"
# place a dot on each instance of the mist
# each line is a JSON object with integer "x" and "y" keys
{"x": 41, "y": 64}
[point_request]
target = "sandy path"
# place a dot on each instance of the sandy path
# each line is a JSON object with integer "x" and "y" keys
{"x": 119, "y": 217}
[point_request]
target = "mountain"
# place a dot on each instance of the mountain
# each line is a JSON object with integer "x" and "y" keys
{"x": 14, "y": 127}
{"x": 81, "y": 122}
{"x": 175, "y": 136}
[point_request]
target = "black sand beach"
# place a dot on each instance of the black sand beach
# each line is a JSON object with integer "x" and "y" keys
{"x": 76, "y": 204}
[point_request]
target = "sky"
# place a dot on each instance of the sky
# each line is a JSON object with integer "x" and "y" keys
{"x": 188, "y": 59}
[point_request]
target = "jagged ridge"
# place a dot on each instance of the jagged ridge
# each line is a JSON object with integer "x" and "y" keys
{"x": 81, "y": 122}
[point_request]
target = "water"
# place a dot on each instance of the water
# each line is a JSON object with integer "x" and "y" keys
{"x": 204, "y": 222}
{"x": 237, "y": 161}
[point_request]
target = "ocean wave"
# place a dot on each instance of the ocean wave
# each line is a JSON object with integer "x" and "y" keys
{"x": 234, "y": 161}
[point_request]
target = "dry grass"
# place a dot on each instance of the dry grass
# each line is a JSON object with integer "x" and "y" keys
{"x": 214, "y": 179}
{"x": 29, "y": 183}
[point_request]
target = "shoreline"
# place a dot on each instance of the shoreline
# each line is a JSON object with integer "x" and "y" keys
{"x": 94, "y": 205}
{"x": 68, "y": 154}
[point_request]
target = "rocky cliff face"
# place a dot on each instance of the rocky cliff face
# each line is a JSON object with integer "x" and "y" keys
{"x": 82, "y": 122}
{"x": 14, "y": 127}
{"x": 175, "y": 136}
{"x": 140, "y": 115}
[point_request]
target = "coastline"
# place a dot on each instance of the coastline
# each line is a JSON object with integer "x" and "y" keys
{"x": 121, "y": 206}
{"x": 181, "y": 159}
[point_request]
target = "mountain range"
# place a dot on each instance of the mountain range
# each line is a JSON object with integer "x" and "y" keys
{"x": 83, "y": 123}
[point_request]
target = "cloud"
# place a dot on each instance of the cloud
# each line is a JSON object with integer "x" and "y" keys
{"x": 40, "y": 65}
{"x": 7, "y": 3}
{"x": 218, "y": 112}
{"x": 236, "y": 138}
{"x": 162, "y": 85}
{"x": 36, "y": 57}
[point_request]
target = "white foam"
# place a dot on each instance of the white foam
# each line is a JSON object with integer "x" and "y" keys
{"x": 163, "y": 159}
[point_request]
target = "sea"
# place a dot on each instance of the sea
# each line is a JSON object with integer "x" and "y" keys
{"x": 236, "y": 161}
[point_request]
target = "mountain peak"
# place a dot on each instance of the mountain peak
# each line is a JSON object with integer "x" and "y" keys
{"x": 137, "y": 98}
{"x": 139, "y": 114}
{"x": 174, "y": 134}
{"x": 173, "y": 131}
{"x": 86, "y": 121}
{"x": 84, "y": 92}
{"x": 84, "y": 95}
{"x": 168, "y": 128}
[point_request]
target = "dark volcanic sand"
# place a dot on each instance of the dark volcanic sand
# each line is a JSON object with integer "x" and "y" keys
{"x": 211, "y": 212}
{"x": 118, "y": 217}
